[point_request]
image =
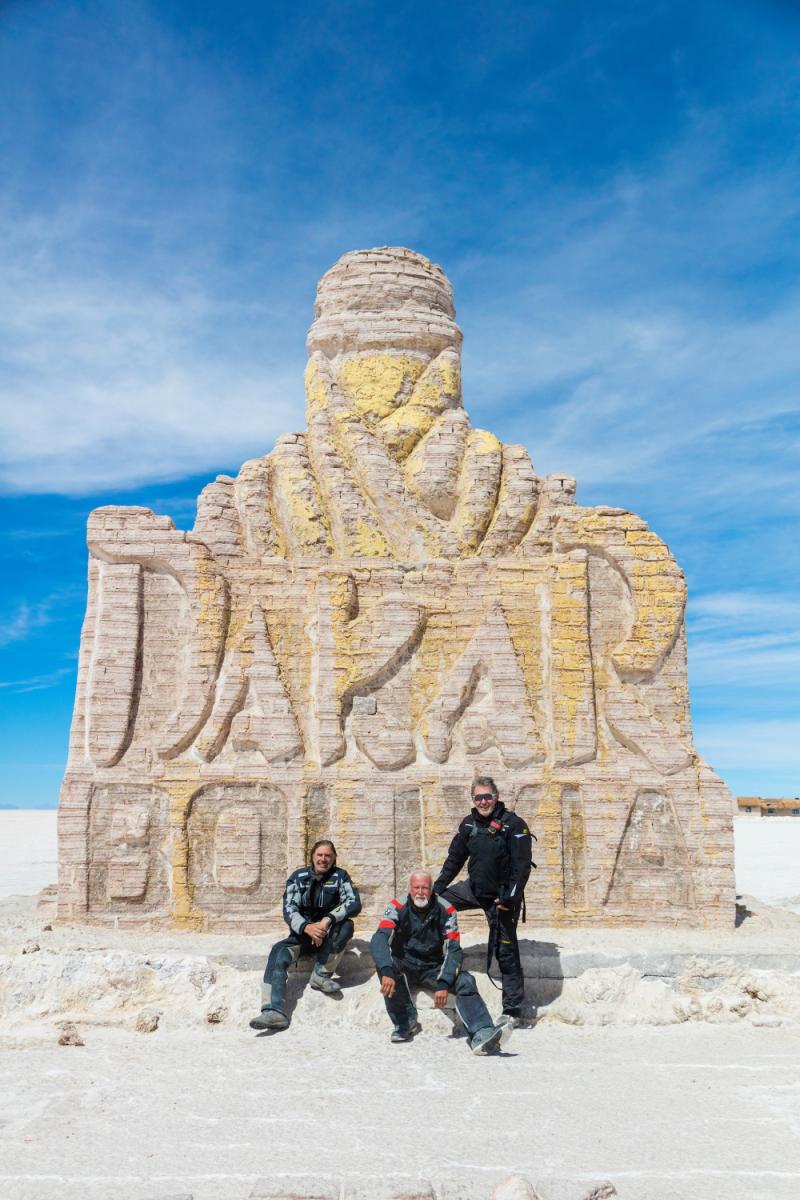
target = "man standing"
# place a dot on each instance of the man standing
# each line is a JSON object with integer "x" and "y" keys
{"x": 417, "y": 942}
{"x": 496, "y": 846}
{"x": 318, "y": 904}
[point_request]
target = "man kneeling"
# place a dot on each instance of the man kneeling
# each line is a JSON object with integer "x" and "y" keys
{"x": 418, "y": 943}
{"x": 318, "y": 904}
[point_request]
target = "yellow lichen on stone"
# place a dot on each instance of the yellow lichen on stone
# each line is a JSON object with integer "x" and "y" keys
{"x": 438, "y": 388}
{"x": 658, "y": 598}
{"x": 369, "y": 542}
{"x": 440, "y": 385}
{"x": 303, "y": 525}
{"x": 437, "y": 827}
{"x": 345, "y": 798}
{"x": 317, "y": 394}
{"x": 478, "y": 488}
{"x": 375, "y": 384}
{"x": 520, "y": 603}
{"x": 572, "y": 704}
{"x": 211, "y": 613}
{"x": 550, "y": 847}
{"x": 184, "y": 914}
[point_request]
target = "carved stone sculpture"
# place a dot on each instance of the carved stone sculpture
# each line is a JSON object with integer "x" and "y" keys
{"x": 359, "y": 623}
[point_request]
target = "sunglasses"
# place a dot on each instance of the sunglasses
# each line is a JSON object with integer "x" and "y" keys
{"x": 483, "y": 796}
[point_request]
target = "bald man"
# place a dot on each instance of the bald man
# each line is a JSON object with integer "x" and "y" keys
{"x": 417, "y": 943}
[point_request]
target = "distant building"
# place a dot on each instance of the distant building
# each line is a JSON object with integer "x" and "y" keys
{"x": 761, "y": 806}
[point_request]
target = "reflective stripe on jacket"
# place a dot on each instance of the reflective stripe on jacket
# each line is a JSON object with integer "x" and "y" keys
{"x": 426, "y": 939}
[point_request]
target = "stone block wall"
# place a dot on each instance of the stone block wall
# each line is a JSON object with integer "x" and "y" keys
{"x": 359, "y": 623}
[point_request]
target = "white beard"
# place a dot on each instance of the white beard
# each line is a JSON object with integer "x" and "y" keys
{"x": 419, "y": 902}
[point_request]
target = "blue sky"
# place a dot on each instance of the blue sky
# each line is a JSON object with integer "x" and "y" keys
{"x": 613, "y": 188}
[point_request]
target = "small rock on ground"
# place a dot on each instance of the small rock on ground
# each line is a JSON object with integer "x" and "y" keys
{"x": 147, "y": 1021}
{"x": 70, "y": 1036}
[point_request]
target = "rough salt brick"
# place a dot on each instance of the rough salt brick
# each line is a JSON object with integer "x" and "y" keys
{"x": 340, "y": 627}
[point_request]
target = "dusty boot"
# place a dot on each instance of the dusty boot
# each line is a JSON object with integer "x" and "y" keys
{"x": 402, "y": 1033}
{"x": 323, "y": 981}
{"x": 487, "y": 1040}
{"x": 270, "y": 1018}
{"x": 508, "y": 1023}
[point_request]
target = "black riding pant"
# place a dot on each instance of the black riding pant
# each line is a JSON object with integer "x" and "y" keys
{"x": 503, "y": 935}
{"x": 287, "y": 951}
{"x": 469, "y": 1005}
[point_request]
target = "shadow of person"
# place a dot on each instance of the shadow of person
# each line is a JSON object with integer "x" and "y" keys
{"x": 357, "y": 965}
{"x": 544, "y": 974}
{"x": 297, "y": 981}
{"x": 426, "y": 1008}
{"x": 541, "y": 967}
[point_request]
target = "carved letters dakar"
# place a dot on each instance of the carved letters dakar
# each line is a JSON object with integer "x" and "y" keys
{"x": 362, "y": 620}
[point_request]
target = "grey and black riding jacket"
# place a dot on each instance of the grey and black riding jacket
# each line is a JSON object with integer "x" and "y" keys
{"x": 497, "y": 851}
{"x": 424, "y": 940}
{"x": 309, "y": 897}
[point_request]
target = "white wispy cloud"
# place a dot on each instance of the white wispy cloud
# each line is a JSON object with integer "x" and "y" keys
{"x": 109, "y": 384}
{"x": 717, "y": 609}
{"x": 762, "y": 745}
{"x": 29, "y": 616}
{"x": 23, "y": 621}
{"x": 627, "y": 350}
{"x": 745, "y": 639}
{"x": 37, "y": 683}
{"x": 604, "y": 327}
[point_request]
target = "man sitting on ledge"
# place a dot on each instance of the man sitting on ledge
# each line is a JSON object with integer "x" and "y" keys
{"x": 318, "y": 904}
{"x": 417, "y": 942}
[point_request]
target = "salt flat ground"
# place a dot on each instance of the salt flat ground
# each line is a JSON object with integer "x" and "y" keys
{"x": 768, "y": 859}
{"x": 700, "y": 1111}
{"x": 28, "y": 850}
{"x": 683, "y": 1112}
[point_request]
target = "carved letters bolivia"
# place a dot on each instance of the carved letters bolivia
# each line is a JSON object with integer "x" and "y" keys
{"x": 360, "y": 621}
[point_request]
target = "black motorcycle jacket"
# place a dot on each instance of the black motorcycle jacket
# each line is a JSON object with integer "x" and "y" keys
{"x": 309, "y": 897}
{"x": 424, "y": 939}
{"x": 497, "y": 851}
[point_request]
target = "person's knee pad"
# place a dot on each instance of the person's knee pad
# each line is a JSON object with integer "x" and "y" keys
{"x": 341, "y": 933}
{"x": 465, "y": 985}
{"x": 287, "y": 956}
{"x": 284, "y": 958}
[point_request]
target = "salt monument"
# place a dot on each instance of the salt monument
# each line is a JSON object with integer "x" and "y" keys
{"x": 359, "y": 623}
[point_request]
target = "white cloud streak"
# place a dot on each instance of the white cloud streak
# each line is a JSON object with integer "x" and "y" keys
{"x": 112, "y": 384}
{"x": 37, "y": 683}
{"x": 744, "y": 639}
{"x": 22, "y": 623}
{"x": 735, "y": 745}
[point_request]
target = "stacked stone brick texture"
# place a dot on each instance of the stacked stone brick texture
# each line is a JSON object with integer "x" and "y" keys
{"x": 359, "y": 623}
